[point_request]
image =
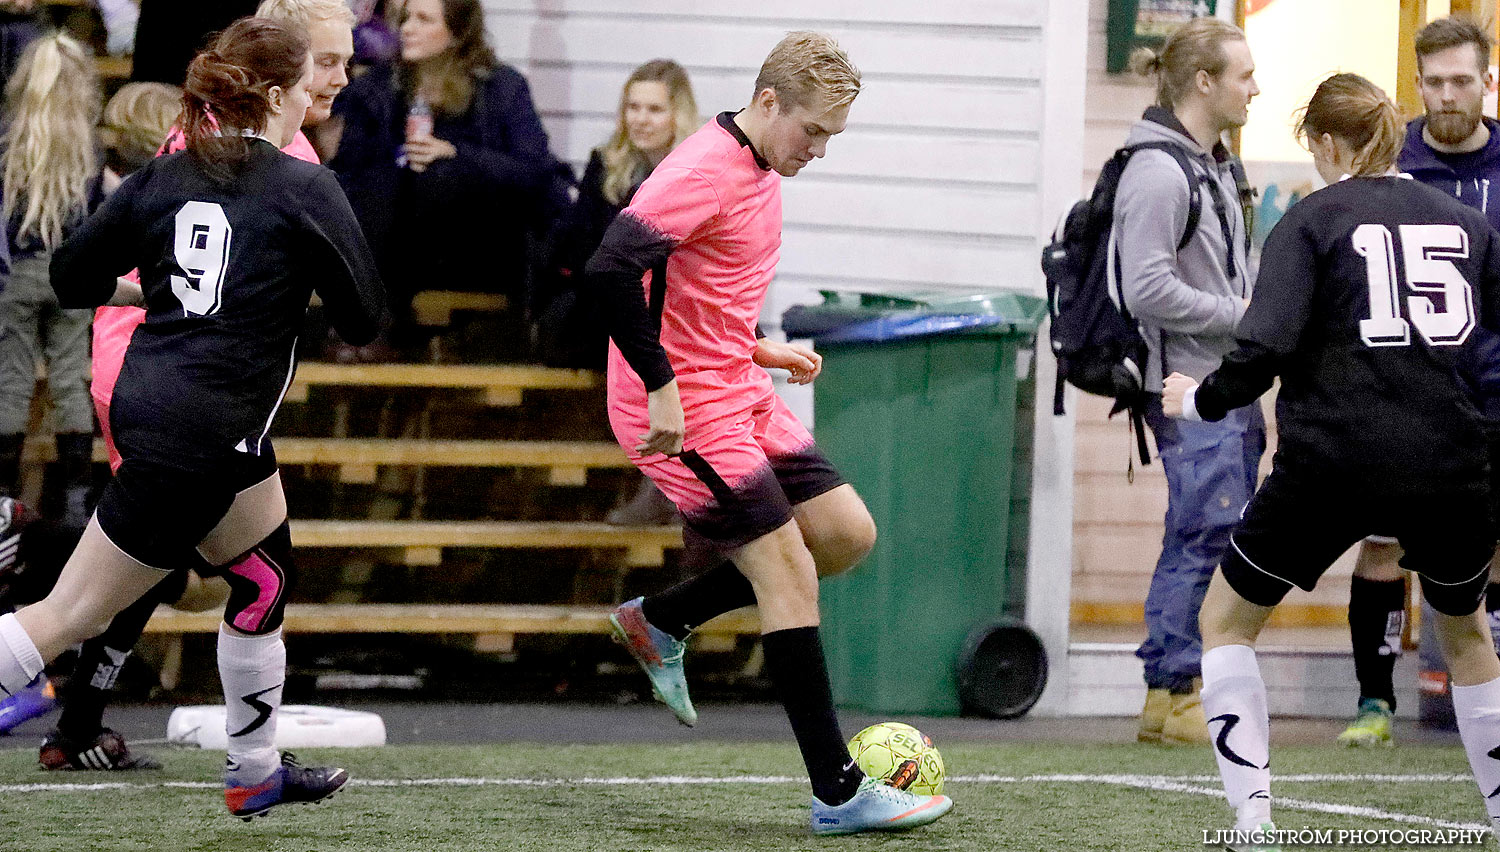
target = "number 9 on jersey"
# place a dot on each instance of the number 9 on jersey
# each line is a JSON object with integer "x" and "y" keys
{"x": 201, "y": 248}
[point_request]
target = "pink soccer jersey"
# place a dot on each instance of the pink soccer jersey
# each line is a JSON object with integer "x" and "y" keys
{"x": 114, "y": 325}
{"x": 707, "y": 224}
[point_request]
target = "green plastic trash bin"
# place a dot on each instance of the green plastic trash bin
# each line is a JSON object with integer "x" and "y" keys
{"x": 916, "y": 406}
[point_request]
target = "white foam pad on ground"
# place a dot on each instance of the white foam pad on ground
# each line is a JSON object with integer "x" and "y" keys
{"x": 298, "y": 726}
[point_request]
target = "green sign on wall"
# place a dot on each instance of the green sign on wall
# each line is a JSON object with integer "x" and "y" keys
{"x": 1146, "y": 23}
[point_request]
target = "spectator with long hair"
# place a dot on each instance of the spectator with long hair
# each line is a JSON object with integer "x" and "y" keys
{"x": 52, "y": 178}
{"x": 445, "y": 159}
{"x": 657, "y": 110}
{"x": 232, "y": 237}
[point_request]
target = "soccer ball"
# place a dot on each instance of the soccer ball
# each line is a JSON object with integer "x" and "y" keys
{"x": 899, "y": 755}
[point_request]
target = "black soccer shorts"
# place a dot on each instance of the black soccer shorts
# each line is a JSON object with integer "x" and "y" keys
{"x": 1299, "y": 522}
{"x": 154, "y": 511}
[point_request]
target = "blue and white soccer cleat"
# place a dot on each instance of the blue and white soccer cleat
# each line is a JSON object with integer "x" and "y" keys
{"x": 37, "y": 699}
{"x": 291, "y": 783}
{"x": 660, "y": 656}
{"x": 877, "y": 806}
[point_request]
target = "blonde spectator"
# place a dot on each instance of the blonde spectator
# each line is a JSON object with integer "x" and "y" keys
{"x": 136, "y": 120}
{"x": 52, "y": 179}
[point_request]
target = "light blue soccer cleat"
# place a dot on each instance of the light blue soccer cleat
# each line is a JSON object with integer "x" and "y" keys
{"x": 877, "y": 806}
{"x": 660, "y": 656}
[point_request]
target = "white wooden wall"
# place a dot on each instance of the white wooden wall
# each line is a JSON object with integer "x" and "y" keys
{"x": 935, "y": 183}
{"x": 961, "y": 151}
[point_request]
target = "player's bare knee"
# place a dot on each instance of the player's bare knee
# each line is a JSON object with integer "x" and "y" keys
{"x": 780, "y": 566}
{"x": 845, "y": 547}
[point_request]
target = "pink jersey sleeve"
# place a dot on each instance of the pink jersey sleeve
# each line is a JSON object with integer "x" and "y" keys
{"x": 675, "y": 203}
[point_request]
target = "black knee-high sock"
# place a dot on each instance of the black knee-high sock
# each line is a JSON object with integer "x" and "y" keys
{"x": 101, "y": 658}
{"x": 680, "y": 609}
{"x": 1377, "y": 611}
{"x": 794, "y": 662}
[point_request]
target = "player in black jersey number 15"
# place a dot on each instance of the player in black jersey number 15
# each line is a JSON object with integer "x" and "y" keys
{"x": 1367, "y": 304}
{"x": 231, "y": 238}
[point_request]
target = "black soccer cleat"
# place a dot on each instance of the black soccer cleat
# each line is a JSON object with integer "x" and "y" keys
{"x": 105, "y": 752}
{"x": 291, "y": 783}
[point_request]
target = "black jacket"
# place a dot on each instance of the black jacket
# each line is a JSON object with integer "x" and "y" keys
{"x": 462, "y": 224}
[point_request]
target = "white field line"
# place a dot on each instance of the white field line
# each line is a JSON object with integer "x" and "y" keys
{"x": 1176, "y": 786}
{"x": 1190, "y": 784}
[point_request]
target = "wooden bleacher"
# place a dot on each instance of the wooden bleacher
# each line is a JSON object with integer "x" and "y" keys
{"x": 427, "y": 544}
{"x": 567, "y": 462}
{"x": 499, "y": 384}
{"x": 422, "y": 542}
{"x": 494, "y": 626}
{"x": 435, "y": 308}
{"x": 441, "y": 618}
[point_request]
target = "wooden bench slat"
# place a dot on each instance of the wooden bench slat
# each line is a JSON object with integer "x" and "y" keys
{"x": 436, "y": 307}
{"x": 449, "y": 453}
{"x": 568, "y": 458}
{"x": 445, "y": 376}
{"x": 539, "y": 534}
{"x": 441, "y": 618}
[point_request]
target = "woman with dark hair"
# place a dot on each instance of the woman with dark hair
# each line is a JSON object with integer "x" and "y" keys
{"x": 444, "y": 158}
{"x": 231, "y": 238}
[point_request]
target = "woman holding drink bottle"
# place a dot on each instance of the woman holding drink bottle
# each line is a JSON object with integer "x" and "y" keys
{"x": 444, "y": 158}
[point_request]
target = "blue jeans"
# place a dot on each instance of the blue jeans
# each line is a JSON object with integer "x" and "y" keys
{"x": 1211, "y": 472}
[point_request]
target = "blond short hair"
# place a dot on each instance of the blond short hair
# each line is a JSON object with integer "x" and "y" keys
{"x": 805, "y": 65}
{"x": 135, "y": 122}
{"x": 305, "y": 12}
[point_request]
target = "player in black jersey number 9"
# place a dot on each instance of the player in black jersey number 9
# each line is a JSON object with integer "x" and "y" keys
{"x": 231, "y": 238}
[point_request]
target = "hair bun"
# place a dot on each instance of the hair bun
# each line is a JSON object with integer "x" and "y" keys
{"x": 1145, "y": 61}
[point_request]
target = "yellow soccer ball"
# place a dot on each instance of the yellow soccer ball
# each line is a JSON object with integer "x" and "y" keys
{"x": 899, "y": 755}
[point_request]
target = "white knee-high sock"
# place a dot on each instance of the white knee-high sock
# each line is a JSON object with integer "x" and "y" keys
{"x": 20, "y": 662}
{"x": 1234, "y": 700}
{"x": 1478, "y": 711}
{"x": 252, "y": 669}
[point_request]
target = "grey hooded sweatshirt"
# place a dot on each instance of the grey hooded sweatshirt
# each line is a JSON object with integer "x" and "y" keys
{"x": 1187, "y": 298}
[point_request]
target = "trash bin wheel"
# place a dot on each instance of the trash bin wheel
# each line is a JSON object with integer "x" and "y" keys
{"x": 1002, "y": 670}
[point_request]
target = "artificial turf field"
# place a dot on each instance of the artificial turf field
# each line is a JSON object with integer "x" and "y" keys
{"x": 717, "y": 796}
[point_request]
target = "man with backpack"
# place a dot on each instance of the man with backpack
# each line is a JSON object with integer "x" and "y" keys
{"x": 1187, "y": 290}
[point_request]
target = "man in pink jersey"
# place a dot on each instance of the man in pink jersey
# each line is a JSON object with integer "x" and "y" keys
{"x": 81, "y": 741}
{"x": 685, "y": 269}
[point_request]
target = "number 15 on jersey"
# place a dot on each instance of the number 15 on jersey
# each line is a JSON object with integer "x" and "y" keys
{"x": 1442, "y": 302}
{"x": 201, "y": 248}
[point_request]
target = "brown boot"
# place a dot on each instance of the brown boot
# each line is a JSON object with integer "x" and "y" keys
{"x": 1185, "y": 724}
{"x": 1154, "y": 715}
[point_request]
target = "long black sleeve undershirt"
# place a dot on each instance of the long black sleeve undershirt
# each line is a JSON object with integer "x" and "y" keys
{"x": 629, "y": 250}
{"x": 1243, "y": 377}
